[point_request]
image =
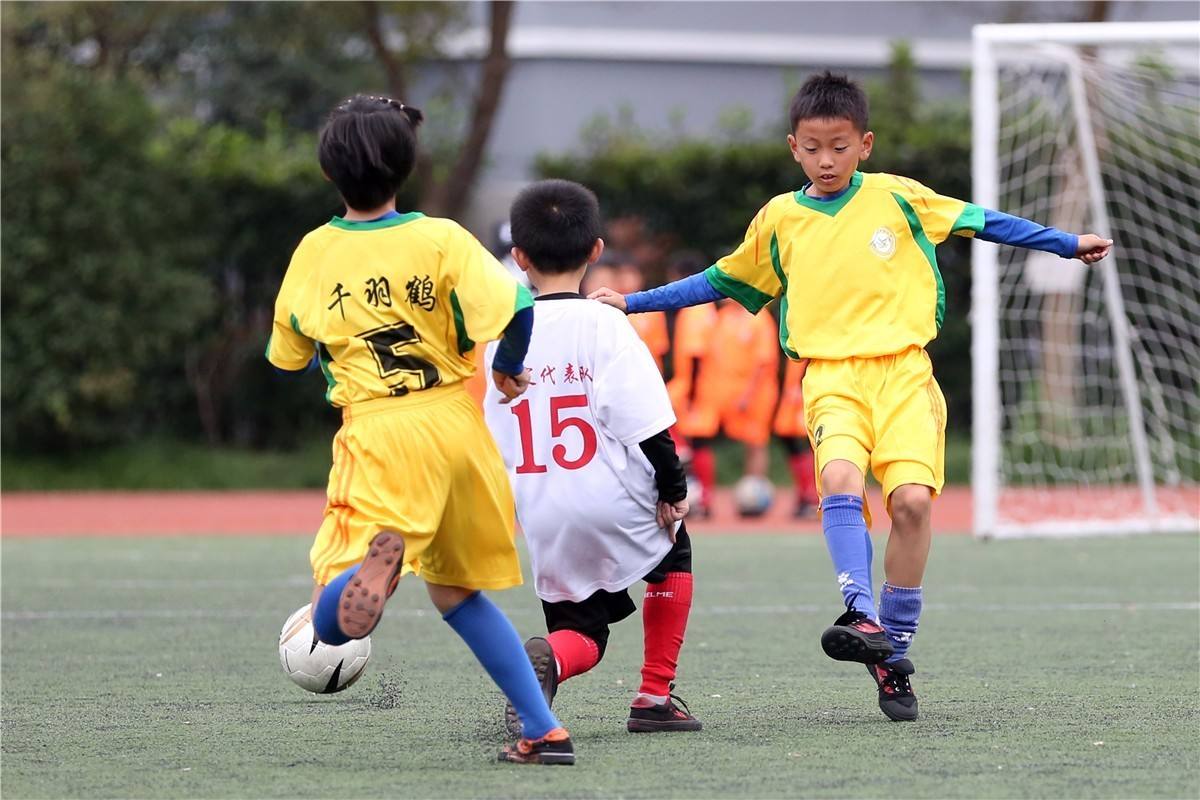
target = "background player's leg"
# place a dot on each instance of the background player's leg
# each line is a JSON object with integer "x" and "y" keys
{"x": 499, "y": 649}
{"x": 803, "y": 466}
{"x": 704, "y": 464}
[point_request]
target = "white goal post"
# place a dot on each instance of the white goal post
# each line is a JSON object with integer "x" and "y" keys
{"x": 1086, "y": 380}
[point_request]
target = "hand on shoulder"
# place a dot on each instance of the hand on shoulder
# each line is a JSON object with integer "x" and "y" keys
{"x": 1092, "y": 248}
{"x": 609, "y": 298}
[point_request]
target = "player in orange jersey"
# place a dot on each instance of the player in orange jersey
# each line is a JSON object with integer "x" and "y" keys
{"x": 793, "y": 433}
{"x": 734, "y": 390}
{"x": 651, "y": 328}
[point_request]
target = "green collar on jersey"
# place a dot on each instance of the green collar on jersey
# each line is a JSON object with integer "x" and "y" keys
{"x": 831, "y": 207}
{"x": 374, "y": 225}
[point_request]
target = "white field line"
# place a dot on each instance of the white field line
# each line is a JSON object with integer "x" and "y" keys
{"x": 768, "y": 610}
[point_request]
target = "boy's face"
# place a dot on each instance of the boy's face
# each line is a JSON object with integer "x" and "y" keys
{"x": 597, "y": 277}
{"x": 629, "y": 279}
{"x": 829, "y": 151}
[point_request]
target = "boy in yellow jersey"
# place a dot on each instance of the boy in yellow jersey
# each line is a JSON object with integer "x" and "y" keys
{"x": 853, "y": 256}
{"x": 393, "y": 304}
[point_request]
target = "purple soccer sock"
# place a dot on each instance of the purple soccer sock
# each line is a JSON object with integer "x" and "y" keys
{"x": 899, "y": 613}
{"x": 849, "y": 546}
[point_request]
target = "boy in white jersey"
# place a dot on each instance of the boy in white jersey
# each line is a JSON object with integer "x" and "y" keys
{"x": 600, "y": 492}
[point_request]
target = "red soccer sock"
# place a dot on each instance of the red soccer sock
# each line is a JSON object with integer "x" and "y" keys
{"x": 574, "y": 652}
{"x": 705, "y": 466}
{"x": 804, "y": 475}
{"x": 664, "y": 620}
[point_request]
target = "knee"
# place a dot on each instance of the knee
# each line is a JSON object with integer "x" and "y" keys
{"x": 911, "y": 506}
{"x": 841, "y": 477}
{"x": 447, "y": 598}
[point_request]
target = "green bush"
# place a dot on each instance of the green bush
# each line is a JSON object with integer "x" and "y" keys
{"x": 103, "y": 291}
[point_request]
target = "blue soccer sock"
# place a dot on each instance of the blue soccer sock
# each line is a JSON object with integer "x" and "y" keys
{"x": 849, "y": 545}
{"x": 499, "y": 649}
{"x": 899, "y": 613}
{"x": 325, "y": 620}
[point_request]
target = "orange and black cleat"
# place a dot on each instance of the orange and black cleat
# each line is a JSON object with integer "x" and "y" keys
{"x": 361, "y": 603}
{"x": 553, "y": 748}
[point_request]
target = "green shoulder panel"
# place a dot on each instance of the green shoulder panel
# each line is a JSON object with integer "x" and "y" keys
{"x": 971, "y": 219}
{"x": 918, "y": 232}
{"x": 777, "y": 265}
{"x": 460, "y": 325}
{"x": 749, "y": 297}
{"x": 524, "y": 298}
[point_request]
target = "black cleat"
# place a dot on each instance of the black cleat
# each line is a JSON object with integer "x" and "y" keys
{"x": 553, "y": 748}
{"x": 662, "y": 718}
{"x": 896, "y": 698}
{"x": 541, "y": 657}
{"x": 856, "y": 637}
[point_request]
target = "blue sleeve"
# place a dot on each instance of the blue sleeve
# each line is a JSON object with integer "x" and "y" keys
{"x": 514, "y": 343}
{"x": 691, "y": 291}
{"x": 1007, "y": 229}
{"x": 295, "y": 373}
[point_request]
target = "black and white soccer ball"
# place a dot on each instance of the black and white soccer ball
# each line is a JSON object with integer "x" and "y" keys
{"x": 753, "y": 495}
{"x": 315, "y": 666}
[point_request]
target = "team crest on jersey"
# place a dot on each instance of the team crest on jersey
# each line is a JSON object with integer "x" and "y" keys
{"x": 883, "y": 243}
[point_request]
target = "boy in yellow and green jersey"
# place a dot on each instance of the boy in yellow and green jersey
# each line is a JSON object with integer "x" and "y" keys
{"x": 852, "y": 254}
{"x": 392, "y": 305}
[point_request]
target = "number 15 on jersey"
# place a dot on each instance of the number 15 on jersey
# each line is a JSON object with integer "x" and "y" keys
{"x": 560, "y": 423}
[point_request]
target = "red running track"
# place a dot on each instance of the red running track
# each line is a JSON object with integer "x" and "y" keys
{"x": 292, "y": 513}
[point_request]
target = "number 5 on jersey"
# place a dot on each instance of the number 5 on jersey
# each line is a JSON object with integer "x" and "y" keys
{"x": 558, "y": 426}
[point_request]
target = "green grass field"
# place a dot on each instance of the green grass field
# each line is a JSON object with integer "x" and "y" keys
{"x": 148, "y": 668}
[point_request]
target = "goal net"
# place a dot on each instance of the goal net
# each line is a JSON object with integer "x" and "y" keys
{"x": 1087, "y": 379}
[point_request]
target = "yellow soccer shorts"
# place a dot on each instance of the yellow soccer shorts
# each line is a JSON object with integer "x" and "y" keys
{"x": 426, "y": 466}
{"x": 885, "y": 413}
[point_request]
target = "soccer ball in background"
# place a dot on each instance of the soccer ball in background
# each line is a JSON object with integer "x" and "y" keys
{"x": 315, "y": 666}
{"x": 753, "y": 496}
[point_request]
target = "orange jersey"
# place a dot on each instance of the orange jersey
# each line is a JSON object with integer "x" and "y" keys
{"x": 693, "y": 327}
{"x": 789, "y": 417}
{"x": 736, "y": 387}
{"x": 743, "y": 357}
{"x": 652, "y": 329}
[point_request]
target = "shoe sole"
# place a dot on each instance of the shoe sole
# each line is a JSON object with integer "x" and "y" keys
{"x": 843, "y": 643}
{"x": 541, "y": 658}
{"x": 634, "y": 725}
{"x": 548, "y": 759}
{"x": 898, "y": 717}
{"x": 361, "y": 605}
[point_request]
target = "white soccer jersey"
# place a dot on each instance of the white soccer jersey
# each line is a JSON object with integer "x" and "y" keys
{"x": 585, "y": 492}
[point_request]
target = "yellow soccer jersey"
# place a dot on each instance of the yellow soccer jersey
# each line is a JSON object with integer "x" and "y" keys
{"x": 858, "y": 274}
{"x": 391, "y": 306}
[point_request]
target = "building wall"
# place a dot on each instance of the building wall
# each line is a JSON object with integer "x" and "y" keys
{"x": 676, "y": 68}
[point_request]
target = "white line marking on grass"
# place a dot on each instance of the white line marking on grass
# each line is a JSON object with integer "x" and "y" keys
{"x": 194, "y": 613}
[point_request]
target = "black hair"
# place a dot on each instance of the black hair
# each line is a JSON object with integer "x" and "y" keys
{"x": 556, "y": 223}
{"x": 368, "y": 147}
{"x": 829, "y": 96}
{"x": 687, "y": 262}
{"x": 614, "y": 258}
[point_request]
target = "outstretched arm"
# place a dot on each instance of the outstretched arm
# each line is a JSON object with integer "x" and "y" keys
{"x": 1006, "y": 229}
{"x": 691, "y": 291}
